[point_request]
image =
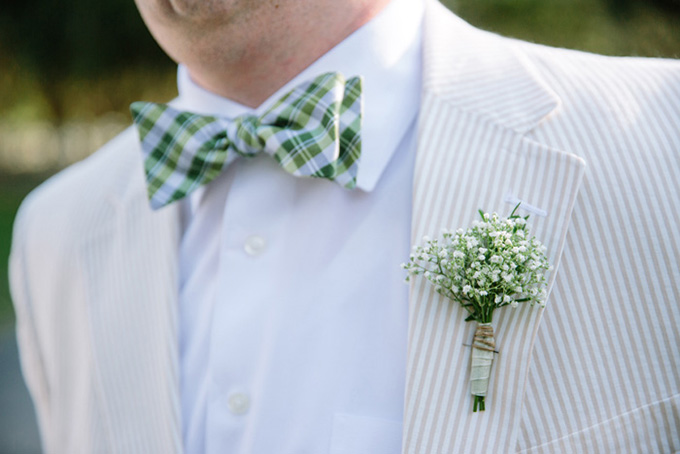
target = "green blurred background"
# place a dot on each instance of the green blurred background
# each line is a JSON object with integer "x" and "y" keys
{"x": 69, "y": 70}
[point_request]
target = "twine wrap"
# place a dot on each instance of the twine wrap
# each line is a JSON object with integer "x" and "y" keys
{"x": 482, "y": 356}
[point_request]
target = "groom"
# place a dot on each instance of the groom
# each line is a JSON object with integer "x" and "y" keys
{"x": 261, "y": 312}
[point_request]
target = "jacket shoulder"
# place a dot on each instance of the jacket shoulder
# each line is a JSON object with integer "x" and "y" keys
{"x": 74, "y": 205}
{"x": 520, "y": 84}
{"x": 612, "y": 86}
{"x": 70, "y": 202}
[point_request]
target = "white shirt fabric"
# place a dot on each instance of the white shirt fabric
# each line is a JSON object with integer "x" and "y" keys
{"x": 293, "y": 311}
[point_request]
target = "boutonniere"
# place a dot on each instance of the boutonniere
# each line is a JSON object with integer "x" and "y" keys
{"x": 494, "y": 263}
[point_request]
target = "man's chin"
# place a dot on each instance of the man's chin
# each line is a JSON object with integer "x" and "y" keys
{"x": 222, "y": 11}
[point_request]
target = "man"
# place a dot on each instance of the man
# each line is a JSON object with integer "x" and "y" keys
{"x": 264, "y": 313}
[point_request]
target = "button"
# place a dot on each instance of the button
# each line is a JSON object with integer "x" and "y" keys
{"x": 254, "y": 245}
{"x": 238, "y": 403}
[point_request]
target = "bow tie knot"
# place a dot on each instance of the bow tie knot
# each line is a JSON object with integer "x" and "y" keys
{"x": 246, "y": 135}
{"x": 313, "y": 131}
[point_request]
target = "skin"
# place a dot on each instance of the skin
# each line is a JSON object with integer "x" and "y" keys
{"x": 245, "y": 50}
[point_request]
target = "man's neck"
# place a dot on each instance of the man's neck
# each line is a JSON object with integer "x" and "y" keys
{"x": 253, "y": 73}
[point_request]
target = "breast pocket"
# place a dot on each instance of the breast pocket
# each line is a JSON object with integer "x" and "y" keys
{"x": 354, "y": 434}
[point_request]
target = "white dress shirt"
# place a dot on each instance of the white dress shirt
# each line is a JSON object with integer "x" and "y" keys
{"x": 293, "y": 314}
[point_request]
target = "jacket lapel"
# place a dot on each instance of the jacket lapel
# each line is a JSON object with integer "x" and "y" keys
{"x": 479, "y": 100}
{"x": 131, "y": 269}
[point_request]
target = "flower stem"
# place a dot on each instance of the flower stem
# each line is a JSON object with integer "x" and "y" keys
{"x": 482, "y": 357}
{"x": 479, "y": 404}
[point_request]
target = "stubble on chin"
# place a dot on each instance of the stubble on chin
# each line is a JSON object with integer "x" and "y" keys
{"x": 210, "y": 12}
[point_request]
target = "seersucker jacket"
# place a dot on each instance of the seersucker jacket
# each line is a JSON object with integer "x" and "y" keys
{"x": 589, "y": 144}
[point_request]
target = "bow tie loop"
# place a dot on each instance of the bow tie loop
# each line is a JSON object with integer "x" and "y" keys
{"x": 313, "y": 131}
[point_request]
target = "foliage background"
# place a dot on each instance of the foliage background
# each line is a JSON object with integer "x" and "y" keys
{"x": 66, "y": 68}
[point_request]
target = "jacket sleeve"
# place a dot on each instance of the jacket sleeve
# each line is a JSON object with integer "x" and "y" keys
{"x": 28, "y": 335}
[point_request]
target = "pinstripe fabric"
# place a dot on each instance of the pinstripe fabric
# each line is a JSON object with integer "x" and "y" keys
{"x": 598, "y": 369}
{"x": 126, "y": 273}
{"x": 543, "y": 177}
{"x": 593, "y": 141}
{"x": 634, "y": 201}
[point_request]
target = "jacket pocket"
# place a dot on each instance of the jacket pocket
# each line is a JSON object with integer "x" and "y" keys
{"x": 653, "y": 428}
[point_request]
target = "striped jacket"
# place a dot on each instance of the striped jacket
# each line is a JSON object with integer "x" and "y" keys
{"x": 593, "y": 143}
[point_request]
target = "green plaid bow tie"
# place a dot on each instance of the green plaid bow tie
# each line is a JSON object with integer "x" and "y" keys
{"x": 312, "y": 131}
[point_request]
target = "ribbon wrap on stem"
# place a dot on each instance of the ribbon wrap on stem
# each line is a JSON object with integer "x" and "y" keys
{"x": 482, "y": 357}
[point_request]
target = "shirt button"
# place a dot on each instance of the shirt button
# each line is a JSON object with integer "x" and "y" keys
{"x": 238, "y": 403}
{"x": 254, "y": 245}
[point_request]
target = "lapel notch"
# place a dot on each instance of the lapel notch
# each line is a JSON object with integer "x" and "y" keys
{"x": 479, "y": 72}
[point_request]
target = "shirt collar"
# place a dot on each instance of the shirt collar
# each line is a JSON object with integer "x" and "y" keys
{"x": 386, "y": 51}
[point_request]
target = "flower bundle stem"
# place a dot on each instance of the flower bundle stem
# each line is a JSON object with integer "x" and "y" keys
{"x": 482, "y": 357}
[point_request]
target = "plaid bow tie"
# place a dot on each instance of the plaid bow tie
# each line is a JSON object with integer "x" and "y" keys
{"x": 312, "y": 131}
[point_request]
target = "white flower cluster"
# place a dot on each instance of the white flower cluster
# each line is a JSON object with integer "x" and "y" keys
{"x": 492, "y": 264}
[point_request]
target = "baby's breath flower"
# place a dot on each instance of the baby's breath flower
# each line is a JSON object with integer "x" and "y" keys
{"x": 495, "y": 262}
